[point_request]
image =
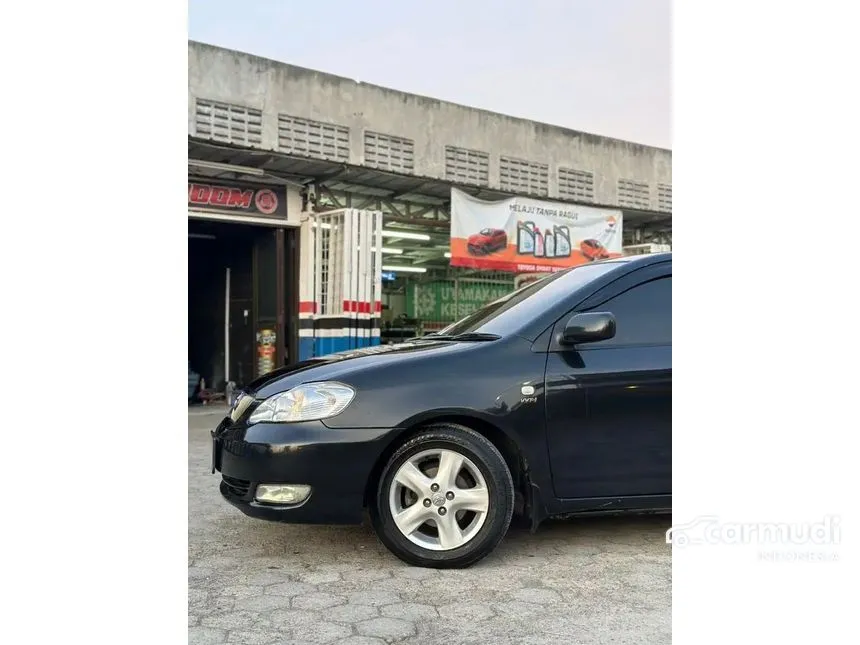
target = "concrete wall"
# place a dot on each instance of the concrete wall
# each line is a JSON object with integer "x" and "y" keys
{"x": 294, "y": 205}
{"x": 233, "y": 77}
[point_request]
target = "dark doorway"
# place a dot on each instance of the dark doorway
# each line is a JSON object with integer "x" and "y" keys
{"x": 251, "y": 255}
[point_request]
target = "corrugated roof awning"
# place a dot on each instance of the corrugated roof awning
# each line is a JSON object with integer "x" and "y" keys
{"x": 278, "y": 167}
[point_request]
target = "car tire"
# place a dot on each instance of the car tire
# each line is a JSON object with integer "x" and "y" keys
{"x": 483, "y": 481}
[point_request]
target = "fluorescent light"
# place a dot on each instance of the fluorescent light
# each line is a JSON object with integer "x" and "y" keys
{"x": 226, "y": 167}
{"x": 326, "y": 226}
{"x": 201, "y": 236}
{"x": 390, "y": 267}
{"x": 389, "y": 250}
{"x": 447, "y": 254}
{"x": 404, "y": 235}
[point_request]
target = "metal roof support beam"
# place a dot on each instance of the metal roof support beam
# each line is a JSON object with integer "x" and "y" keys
{"x": 420, "y": 213}
{"x": 416, "y": 222}
{"x": 324, "y": 190}
{"x": 392, "y": 207}
{"x": 370, "y": 201}
{"x": 410, "y": 213}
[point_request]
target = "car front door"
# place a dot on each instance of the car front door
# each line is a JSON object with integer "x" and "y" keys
{"x": 609, "y": 403}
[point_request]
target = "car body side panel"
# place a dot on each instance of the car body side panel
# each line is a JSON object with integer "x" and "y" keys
{"x": 609, "y": 420}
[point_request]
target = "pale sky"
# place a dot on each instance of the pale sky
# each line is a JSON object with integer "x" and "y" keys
{"x": 600, "y": 66}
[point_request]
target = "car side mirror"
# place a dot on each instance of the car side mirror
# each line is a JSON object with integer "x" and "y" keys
{"x": 588, "y": 328}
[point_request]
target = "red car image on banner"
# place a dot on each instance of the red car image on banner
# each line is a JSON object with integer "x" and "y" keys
{"x": 527, "y": 235}
{"x": 487, "y": 241}
{"x": 593, "y": 250}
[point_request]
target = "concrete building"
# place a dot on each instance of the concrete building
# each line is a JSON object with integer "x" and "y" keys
{"x": 250, "y": 101}
{"x": 270, "y": 143}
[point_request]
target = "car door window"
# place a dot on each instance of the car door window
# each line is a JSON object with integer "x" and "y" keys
{"x": 643, "y": 315}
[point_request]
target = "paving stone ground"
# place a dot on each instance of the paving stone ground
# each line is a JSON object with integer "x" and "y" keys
{"x": 252, "y": 582}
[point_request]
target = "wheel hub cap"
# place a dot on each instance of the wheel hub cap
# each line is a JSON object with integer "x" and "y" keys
{"x": 439, "y": 499}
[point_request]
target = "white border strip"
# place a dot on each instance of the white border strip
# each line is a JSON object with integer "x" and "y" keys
{"x": 241, "y": 219}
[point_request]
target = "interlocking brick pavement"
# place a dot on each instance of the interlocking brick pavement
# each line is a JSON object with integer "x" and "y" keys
{"x": 257, "y": 583}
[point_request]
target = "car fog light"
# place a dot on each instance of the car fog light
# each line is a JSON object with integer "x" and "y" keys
{"x": 282, "y": 493}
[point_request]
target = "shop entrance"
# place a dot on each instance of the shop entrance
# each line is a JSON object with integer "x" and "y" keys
{"x": 240, "y": 287}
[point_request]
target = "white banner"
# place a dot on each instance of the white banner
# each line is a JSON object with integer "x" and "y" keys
{"x": 522, "y": 234}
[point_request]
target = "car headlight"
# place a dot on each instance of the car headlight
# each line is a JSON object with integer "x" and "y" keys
{"x": 308, "y": 402}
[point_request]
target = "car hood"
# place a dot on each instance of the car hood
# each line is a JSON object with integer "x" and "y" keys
{"x": 340, "y": 364}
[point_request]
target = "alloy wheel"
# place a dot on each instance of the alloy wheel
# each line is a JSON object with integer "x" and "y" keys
{"x": 439, "y": 499}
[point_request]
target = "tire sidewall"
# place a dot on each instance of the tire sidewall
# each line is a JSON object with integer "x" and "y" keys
{"x": 499, "y": 489}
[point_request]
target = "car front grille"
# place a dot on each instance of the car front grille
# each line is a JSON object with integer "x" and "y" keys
{"x": 237, "y": 487}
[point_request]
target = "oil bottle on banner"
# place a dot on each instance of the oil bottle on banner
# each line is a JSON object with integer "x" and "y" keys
{"x": 552, "y": 243}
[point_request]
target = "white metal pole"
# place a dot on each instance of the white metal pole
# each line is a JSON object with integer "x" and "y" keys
{"x": 377, "y": 270}
{"x": 227, "y": 329}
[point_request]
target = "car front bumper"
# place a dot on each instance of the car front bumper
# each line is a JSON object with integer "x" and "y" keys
{"x": 335, "y": 463}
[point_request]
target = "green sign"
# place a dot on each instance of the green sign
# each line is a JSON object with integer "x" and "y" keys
{"x": 449, "y": 301}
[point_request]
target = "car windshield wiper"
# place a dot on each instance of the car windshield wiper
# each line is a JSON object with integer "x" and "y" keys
{"x": 467, "y": 337}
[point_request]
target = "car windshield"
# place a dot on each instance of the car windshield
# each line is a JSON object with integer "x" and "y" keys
{"x": 487, "y": 231}
{"x": 522, "y": 306}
